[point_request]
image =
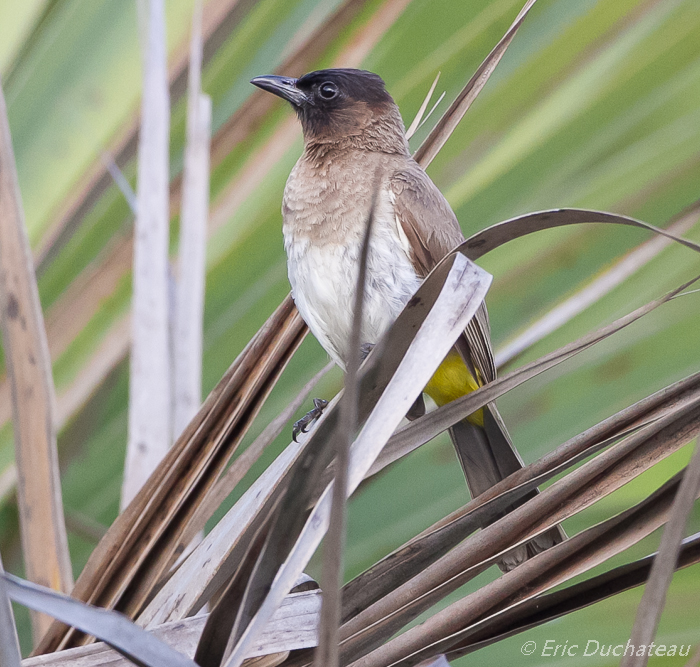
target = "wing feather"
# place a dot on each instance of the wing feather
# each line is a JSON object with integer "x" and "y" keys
{"x": 433, "y": 231}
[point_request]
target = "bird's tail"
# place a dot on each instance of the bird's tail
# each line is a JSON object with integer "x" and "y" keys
{"x": 488, "y": 456}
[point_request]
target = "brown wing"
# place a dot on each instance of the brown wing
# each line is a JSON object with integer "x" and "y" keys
{"x": 432, "y": 231}
{"x": 487, "y": 455}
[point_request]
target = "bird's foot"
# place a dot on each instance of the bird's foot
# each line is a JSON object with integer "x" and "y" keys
{"x": 417, "y": 409}
{"x": 302, "y": 425}
{"x": 365, "y": 349}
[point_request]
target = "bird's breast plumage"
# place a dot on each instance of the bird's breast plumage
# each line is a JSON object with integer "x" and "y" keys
{"x": 325, "y": 208}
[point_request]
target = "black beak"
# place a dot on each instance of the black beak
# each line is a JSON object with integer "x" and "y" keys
{"x": 282, "y": 86}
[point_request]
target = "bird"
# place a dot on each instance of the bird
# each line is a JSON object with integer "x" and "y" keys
{"x": 356, "y": 160}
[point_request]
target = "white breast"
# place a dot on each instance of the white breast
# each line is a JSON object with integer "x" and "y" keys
{"x": 323, "y": 276}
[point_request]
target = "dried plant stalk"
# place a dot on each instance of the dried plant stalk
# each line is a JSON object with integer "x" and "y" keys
{"x": 543, "y": 608}
{"x": 150, "y": 426}
{"x": 42, "y": 524}
{"x": 189, "y": 304}
{"x": 140, "y": 545}
{"x": 654, "y": 598}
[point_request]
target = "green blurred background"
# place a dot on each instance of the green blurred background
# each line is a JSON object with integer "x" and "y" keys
{"x": 596, "y": 104}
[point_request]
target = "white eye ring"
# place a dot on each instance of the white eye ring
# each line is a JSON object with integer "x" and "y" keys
{"x": 328, "y": 90}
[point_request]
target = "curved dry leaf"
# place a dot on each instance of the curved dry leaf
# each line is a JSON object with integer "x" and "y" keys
{"x": 544, "y": 608}
{"x": 114, "y": 629}
{"x": 591, "y": 293}
{"x": 497, "y": 235}
{"x": 581, "y": 488}
{"x": 540, "y": 573}
{"x": 42, "y": 524}
{"x": 654, "y": 598}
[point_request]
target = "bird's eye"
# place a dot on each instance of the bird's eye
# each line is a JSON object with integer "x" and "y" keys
{"x": 328, "y": 90}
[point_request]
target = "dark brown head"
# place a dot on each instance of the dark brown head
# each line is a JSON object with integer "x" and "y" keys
{"x": 345, "y": 106}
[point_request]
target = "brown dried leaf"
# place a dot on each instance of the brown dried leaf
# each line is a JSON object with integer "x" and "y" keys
{"x": 243, "y": 463}
{"x": 654, "y": 598}
{"x": 544, "y": 608}
{"x": 42, "y": 524}
{"x": 546, "y": 570}
{"x": 492, "y": 237}
{"x": 584, "y": 486}
{"x": 140, "y": 546}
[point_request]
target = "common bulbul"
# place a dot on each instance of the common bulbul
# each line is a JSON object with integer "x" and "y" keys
{"x": 355, "y": 145}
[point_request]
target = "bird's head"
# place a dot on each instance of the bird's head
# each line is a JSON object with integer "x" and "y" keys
{"x": 346, "y": 106}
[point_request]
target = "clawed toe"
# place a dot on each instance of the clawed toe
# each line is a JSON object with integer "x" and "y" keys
{"x": 417, "y": 409}
{"x": 365, "y": 349}
{"x": 302, "y": 426}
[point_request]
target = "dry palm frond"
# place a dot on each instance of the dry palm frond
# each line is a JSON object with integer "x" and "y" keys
{"x": 544, "y": 608}
{"x": 42, "y": 523}
{"x": 140, "y": 546}
{"x": 409, "y": 560}
{"x": 544, "y": 571}
{"x": 150, "y": 401}
{"x": 652, "y": 604}
{"x": 596, "y": 479}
